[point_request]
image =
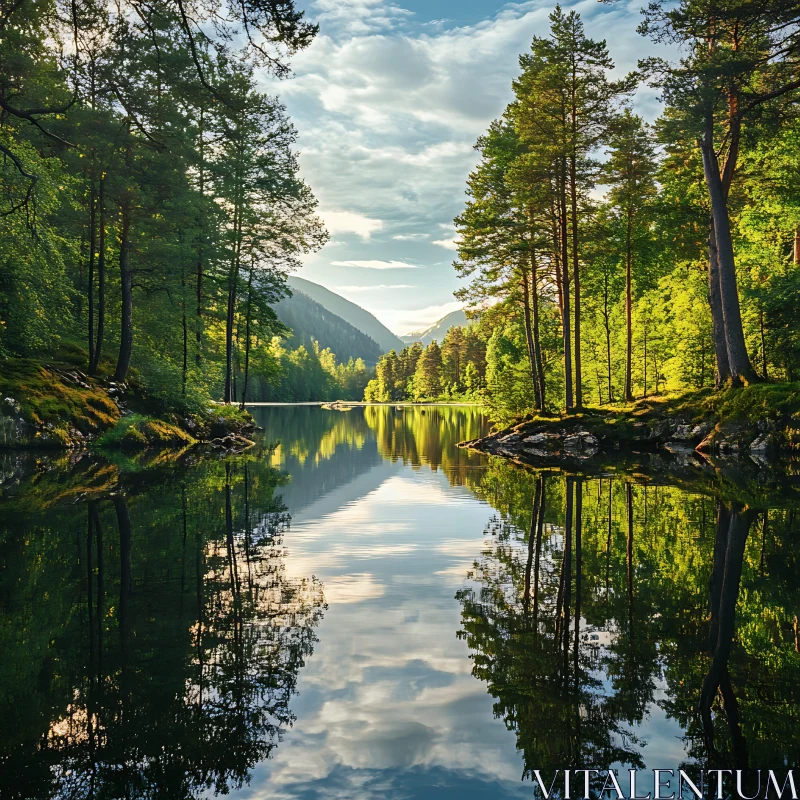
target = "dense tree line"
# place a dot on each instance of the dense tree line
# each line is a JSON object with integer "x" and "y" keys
{"x": 149, "y": 190}
{"x": 306, "y": 373}
{"x": 628, "y": 259}
{"x": 454, "y": 370}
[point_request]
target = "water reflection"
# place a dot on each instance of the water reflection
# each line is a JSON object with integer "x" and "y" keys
{"x": 151, "y": 638}
{"x": 603, "y": 604}
{"x": 366, "y": 611}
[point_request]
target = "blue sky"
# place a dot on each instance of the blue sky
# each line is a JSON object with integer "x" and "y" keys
{"x": 388, "y": 102}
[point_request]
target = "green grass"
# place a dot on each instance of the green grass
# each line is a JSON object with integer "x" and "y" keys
{"x": 136, "y": 431}
{"x": 47, "y": 400}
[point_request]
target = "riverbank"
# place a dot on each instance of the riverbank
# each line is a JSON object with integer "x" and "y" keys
{"x": 57, "y": 406}
{"x": 760, "y": 422}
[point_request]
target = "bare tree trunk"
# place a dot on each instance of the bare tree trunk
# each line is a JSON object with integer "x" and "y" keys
{"x": 233, "y": 281}
{"x": 797, "y": 245}
{"x": 565, "y": 313}
{"x": 526, "y": 305}
{"x": 628, "y": 312}
{"x": 90, "y": 288}
{"x": 576, "y": 280}
{"x": 247, "y": 339}
{"x": 607, "y": 326}
{"x": 126, "y": 290}
{"x": 537, "y": 345}
{"x": 101, "y": 279}
{"x": 198, "y": 335}
{"x": 184, "y": 321}
{"x": 723, "y": 372}
{"x": 738, "y": 360}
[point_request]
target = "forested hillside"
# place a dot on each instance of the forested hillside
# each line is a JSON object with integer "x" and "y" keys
{"x": 310, "y": 322}
{"x": 350, "y": 312}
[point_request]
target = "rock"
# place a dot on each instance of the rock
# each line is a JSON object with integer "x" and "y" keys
{"x": 682, "y": 433}
{"x": 702, "y": 430}
{"x": 763, "y": 443}
{"x": 581, "y": 442}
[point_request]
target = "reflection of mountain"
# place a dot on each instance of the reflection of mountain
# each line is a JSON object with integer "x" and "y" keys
{"x": 324, "y": 451}
{"x": 321, "y": 450}
{"x": 350, "y": 312}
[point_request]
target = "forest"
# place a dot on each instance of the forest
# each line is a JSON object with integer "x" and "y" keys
{"x": 150, "y": 195}
{"x": 153, "y": 209}
{"x": 621, "y": 259}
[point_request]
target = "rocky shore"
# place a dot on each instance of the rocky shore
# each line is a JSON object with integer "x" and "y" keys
{"x": 46, "y": 406}
{"x": 701, "y": 426}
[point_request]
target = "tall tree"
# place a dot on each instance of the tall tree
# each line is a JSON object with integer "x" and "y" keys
{"x": 630, "y": 171}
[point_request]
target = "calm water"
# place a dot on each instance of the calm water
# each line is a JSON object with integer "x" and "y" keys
{"x": 365, "y": 611}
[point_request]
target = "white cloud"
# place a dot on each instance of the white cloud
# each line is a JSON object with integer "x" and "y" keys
{"x": 404, "y": 321}
{"x": 338, "y": 222}
{"x": 375, "y": 264}
{"x": 388, "y": 108}
{"x": 358, "y": 16}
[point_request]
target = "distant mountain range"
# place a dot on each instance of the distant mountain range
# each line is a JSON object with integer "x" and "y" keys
{"x": 438, "y": 330}
{"x": 316, "y": 313}
{"x": 349, "y": 312}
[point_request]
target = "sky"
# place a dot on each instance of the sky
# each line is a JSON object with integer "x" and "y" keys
{"x": 388, "y": 102}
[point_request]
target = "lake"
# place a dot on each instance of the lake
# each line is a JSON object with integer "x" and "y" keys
{"x": 356, "y": 608}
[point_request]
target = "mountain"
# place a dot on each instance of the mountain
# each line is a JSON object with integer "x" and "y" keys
{"x": 350, "y": 312}
{"x": 438, "y": 330}
{"x": 309, "y": 320}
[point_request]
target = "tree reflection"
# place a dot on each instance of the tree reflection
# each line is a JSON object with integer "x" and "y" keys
{"x": 174, "y": 638}
{"x": 597, "y": 601}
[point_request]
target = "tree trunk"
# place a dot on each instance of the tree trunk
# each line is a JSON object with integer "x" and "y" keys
{"x": 537, "y": 345}
{"x": 607, "y": 326}
{"x": 90, "y": 288}
{"x": 797, "y": 245}
{"x": 723, "y": 372}
{"x": 184, "y": 321}
{"x": 200, "y": 251}
{"x": 526, "y": 304}
{"x": 738, "y": 360}
{"x": 565, "y": 306}
{"x": 101, "y": 279}
{"x": 576, "y": 280}
{"x": 629, "y": 313}
{"x": 126, "y": 290}
{"x": 247, "y": 339}
{"x": 233, "y": 280}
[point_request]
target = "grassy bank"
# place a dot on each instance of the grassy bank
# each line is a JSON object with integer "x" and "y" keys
{"x": 757, "y": 420}
{"x": 55, "y": 405}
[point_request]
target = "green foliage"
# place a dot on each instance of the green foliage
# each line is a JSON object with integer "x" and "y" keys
{"x": 135, "y": 431}
{"x": 150, "y": 193}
